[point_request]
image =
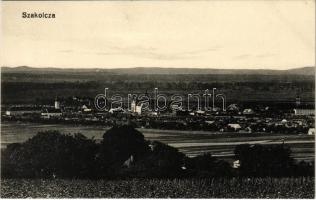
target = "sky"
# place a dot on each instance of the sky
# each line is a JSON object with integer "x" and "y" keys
{"x": 183, "y": 34}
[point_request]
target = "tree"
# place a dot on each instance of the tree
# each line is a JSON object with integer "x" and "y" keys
{"x": 268, "y": 160}
{"x": 120, "y": 143}
{"x": 206, "y": 165}
{"x": 51, "y": 154}
{"x": 161, "y": 161}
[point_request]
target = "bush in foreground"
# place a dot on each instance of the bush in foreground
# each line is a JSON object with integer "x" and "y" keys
{"x": 118, "y": 145}
{"x": 208, "y": 166}
{"x": 270, "y": 161}
{"x": 162, "y": 161}
{"x": 124, "y": 152}
{"x": 50, "y": 154}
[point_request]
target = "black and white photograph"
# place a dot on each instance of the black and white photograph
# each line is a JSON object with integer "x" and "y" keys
{"x": 181, "y": 99}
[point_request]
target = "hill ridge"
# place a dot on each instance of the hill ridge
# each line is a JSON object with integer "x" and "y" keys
{"x": 308, "y": 71}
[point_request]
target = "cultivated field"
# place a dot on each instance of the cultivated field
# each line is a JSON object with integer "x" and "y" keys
{"x": 142, "y": 188}
{"x": 189, "y": 142}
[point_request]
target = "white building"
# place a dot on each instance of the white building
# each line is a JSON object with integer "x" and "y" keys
{"x": 236, "y": 164}
{"x": 57, "y": 104}
{"x": 51, "y": 113}
{"x": 116, "y": 110}
{"x": 19, "y": 111}
{"x": 138, "y": 109}
{"x": 234, "y": 126}
{"x": 176, "y": 107}
{"x": 210, "y": 122}
{"x": 129, "y": 161}
{"x": 304, "y": 111}
{"x": 200, "y": 112}
{"x": 86, "y": 109}
{"x": 248, "y": 111}
{"x": 153, "y": 113}
{"x": 311, "y": 131}
{"x": 133, "y": 106}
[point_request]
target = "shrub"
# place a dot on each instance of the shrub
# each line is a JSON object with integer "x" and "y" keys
{"x": 51, "y": 154}
{"x": 268, "y": 160}
{"x": 161, "y": 161}
{"x": 207, "y": 166}
{"x": 120, "y": 143}
{"x": 304, "y": 168}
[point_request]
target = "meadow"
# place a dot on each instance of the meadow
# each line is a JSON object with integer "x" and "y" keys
{"x": 160, "y": 188}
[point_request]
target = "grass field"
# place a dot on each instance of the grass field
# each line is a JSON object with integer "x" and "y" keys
{"x": 189, "y": 142}
{"x": 152, "y": 188}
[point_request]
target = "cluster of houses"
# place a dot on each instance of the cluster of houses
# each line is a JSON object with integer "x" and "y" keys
{"x": 46, "y": 112}
{"x": 234, "y": 119}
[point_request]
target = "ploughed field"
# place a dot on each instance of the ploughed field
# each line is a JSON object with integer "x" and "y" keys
{"x": 189, "y": 142}
{"x": 156, "y": 188}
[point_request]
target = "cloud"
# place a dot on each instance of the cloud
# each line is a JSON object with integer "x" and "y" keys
{"x": 145, "y": 52}
{"x": 247, "y": 56}
{"x": 66, "y": 51}
{"x": 242, "y": 56}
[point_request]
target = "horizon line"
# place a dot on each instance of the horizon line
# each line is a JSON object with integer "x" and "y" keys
{"x": 110, "y": 68}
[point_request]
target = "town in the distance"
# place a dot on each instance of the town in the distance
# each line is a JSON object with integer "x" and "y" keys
{"x": 294, "y": 117}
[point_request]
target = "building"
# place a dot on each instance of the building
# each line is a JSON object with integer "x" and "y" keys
{"x": 234, "y": 126}
{"x": 200, "y": 112}
{"x": 86, "y": 109}
{"x": 133, "y": 106}
{"x": 248, "y": 111}
{"x": 116, "y": 110}
{"x": 57, "y": 104}
{"x": 153, "y": 113}
{"x": 176, "y": 107}
{"x": 233, "y": 107}
{"x": 304, "y": 111}
{"x": 311, "y": 131}
{"x": 138, "y": 109}
{"x": 48, "y": 113}
{"x": 236, "y": 164}
{"x": 22, "y": 110}
{"x": 209, "y": 122}
{"x": 129, "y": 161}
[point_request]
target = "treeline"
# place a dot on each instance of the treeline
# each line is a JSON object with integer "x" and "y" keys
{"x": 235, "y": 91}
{"x": 123, "y": 153}
{"x": 106, "y": 76}
{"x": 173, "y": 84}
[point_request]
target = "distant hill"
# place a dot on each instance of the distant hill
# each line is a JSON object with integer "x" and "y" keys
{"x": 303, "y": 71}
{"x": 307, "y": 71}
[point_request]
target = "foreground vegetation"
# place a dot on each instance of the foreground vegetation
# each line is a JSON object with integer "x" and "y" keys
{"x": 124, "y": 152}
{"x": 125, "y": 165}
{"x": 159, "y": 188}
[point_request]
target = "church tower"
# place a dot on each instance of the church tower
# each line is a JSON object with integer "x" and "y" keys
{"x": 57, "y": 104}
